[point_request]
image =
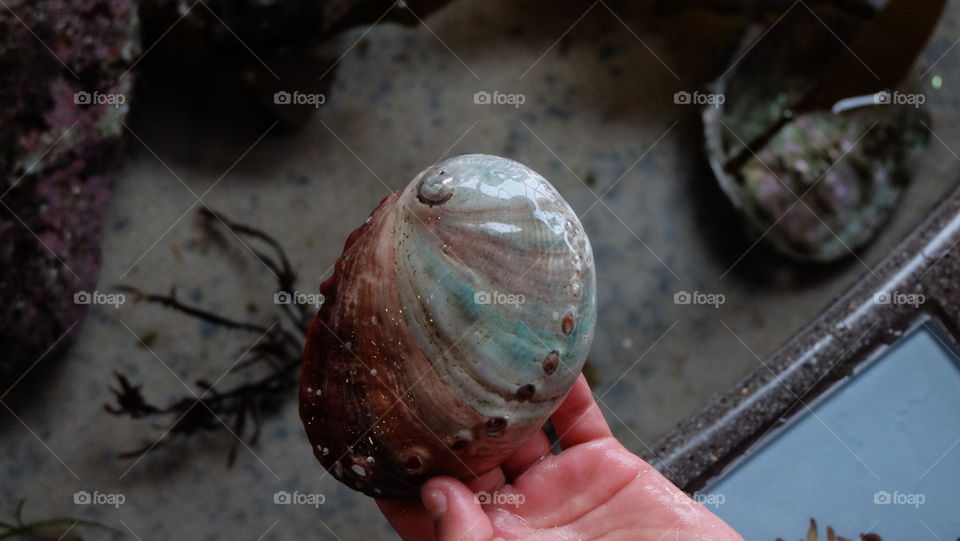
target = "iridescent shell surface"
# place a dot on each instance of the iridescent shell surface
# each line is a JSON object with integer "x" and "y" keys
{"x": 456, "y": 320}
{"x": 826, "y": 183}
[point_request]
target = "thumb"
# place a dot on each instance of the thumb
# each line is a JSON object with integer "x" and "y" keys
{"x": 456, "y": 514}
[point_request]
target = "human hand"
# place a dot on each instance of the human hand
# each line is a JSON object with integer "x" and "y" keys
{"x": 594, "y": 489}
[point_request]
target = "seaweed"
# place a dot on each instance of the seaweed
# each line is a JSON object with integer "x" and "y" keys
{"x": 275, "y": 350}
{"x": 59, "y": 528}
{"x": 813, "y": 535}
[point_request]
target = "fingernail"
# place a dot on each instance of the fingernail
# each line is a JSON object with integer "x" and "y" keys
{"x": 436, "y": 503}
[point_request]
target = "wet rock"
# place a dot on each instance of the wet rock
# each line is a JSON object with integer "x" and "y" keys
{"x": 64, "y": 90}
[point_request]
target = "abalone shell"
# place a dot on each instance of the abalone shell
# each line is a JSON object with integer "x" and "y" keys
{"x": 456, "y": 320}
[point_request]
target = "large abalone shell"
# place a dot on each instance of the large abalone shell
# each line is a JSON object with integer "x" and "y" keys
{"x": 456, "y": 320}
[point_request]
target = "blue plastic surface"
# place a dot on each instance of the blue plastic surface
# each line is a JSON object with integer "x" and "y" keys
{"x": 880, "y": 454}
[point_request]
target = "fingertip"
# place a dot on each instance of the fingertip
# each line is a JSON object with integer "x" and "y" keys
{"x": 442, "y": 483}
{"x": 438, "y": 493}
{"x": 457, "y": 514}
{"x": 435, "y": 502}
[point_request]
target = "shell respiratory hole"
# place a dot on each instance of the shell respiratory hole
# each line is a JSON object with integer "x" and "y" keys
{"x": 457, "y": 319}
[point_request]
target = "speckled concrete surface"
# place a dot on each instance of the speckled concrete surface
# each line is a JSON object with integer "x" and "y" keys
{"x": 599, "y": 119}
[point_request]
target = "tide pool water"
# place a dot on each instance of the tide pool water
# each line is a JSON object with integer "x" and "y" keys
{"x": 880, "y": 454}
